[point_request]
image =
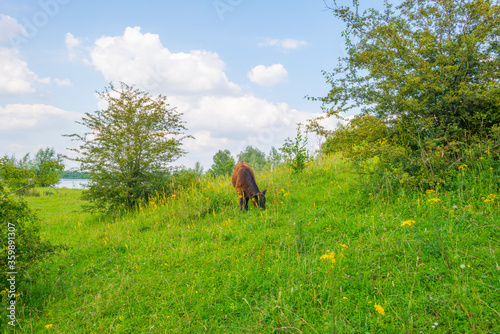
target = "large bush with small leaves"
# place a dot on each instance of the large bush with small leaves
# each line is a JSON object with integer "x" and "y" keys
{"x": 20, "y": 241}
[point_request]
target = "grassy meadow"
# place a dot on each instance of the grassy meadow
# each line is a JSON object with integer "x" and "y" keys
{"x": 331, "y": 254}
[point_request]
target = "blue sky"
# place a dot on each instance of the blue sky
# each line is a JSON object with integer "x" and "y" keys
{"x": 237, "y": 69}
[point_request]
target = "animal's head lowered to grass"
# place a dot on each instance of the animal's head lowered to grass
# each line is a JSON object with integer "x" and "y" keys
{"x": 259, "y": 200}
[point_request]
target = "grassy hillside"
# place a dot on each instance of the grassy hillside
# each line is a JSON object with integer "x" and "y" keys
{"x": 330, "y": 254}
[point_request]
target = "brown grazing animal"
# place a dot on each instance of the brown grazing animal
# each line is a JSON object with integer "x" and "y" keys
{"x": 246, "y": 188}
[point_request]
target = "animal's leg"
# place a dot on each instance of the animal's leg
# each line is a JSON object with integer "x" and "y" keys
{"x": 242, "y": 202}
{"x": 246, "y": 203}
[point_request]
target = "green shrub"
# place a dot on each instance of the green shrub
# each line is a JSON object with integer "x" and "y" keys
{"x": 184, "y": 179}
{"x": 397, "y": 154}
{"x": 295, "y": 152}
{"x": 18, "y": 179}
{"x": 20, "y": 242}
{"x": 358, "y": 139}
{"x": 128, "y": 161}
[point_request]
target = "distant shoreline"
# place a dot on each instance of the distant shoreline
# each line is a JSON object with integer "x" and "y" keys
{"x": 74, "y": 175}
{"x": 72, "y": 183}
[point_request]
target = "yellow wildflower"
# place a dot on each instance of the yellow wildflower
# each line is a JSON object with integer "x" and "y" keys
{"x": 430, "y": 191}
{"x": 434, "y": 200}
{"x": 48, "y": 326}
{"x": 328, "y": 256}
{"x": 343, "y": 245}
{"x": 408, "y": 222}
{"x": 461, "y": 167}
{"x": 490, "y": 198}
{"x": 379, "y": 309}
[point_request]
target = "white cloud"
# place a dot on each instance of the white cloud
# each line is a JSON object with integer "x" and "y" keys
{"x": 9, "y": 28}
{"x": 74, "y": 46}
{"x": 26, "y": 117}
{"x": 238, "y": 117}
{"x": 234, "y": 122}
{"x": 215, "y": 110}
{"x": 63, "y": 82}
{"x": 268, "y": 76}
{"x": 71, "y": 41}
{"x": 26, "y": 128}
{"x": 17, "y": 79}
{"x": 15, "y": 76}
{"x": 141, "y": 59}
{"x": 204, "y": 142}
{"x": 285, "y": 44}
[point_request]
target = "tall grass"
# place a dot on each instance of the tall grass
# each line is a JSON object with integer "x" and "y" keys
{"x": 330, "y": 254}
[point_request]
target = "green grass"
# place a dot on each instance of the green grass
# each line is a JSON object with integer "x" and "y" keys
{"x": 194, "y": 264}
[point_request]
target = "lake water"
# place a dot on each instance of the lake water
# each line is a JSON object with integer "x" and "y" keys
{"x": 72, "y": 183}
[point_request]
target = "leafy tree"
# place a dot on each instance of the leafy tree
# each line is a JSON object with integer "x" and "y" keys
{"x": 17, "y": 178}
{"x": 48, "y": 166}
{"x": 275, "y": 157}
{"x": 20, "y": 175}
{"x": 295, "y": 151}
{"x": 24, "y": 163}
{"x": 198, "y": 168}
{"x": 48, "y": 173}
{"x": 46, "y": 154}
{"x": 313, "y": 126}
{"x": 129, "y": 147}
{"x": 254, "y": 157}
{"x": 358, "y": 139}
{"x": 424, "y": 61}
{"x": 223, "y": 163}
